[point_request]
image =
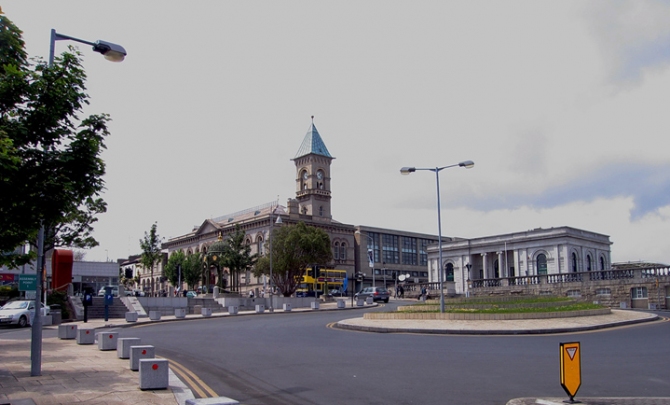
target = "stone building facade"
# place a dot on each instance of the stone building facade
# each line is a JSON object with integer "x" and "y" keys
{"x": 313, "y": 206}
{"x": 490, "y": 259}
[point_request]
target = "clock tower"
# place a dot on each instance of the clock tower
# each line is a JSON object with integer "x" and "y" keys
{"x": 312, "y": 168}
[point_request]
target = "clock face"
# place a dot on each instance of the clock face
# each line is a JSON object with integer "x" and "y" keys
{"x": 305, "y": 175}
{"x": 319, "y": 175}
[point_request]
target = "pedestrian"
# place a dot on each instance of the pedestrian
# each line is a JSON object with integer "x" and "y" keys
{"x": 402, "y": 292}
{"x": 397, "y": 292}
{"x": 423, "y": 293}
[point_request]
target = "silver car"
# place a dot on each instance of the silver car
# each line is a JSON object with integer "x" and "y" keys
{"x": 377, "y": 294}
{"x": 20, "y": 312}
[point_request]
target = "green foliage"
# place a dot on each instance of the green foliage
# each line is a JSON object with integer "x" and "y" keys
{"x": 237, "y": 255}
{"x": 151, "y": 251}
{"x": 294, "y": 248}
{"x": 50, "y": 166}
{"x": 8, "y": 292}
{"x": 171, "y": 270}
{"x": 60, "y": 298}
{"x": 192, "y": 269}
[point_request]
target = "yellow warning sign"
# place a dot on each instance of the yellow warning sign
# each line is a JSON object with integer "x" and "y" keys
{"x": 571, "y": 368}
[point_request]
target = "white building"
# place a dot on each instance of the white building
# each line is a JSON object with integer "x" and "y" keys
{"x": 531, "y": 253}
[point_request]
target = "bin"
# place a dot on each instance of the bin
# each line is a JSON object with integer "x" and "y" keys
{"x": 56, "y": 315}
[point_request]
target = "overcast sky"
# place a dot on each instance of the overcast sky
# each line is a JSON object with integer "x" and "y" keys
{"x": 562, "y": 105}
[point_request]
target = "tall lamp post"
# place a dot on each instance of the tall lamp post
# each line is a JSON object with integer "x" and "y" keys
{"x": 279, "y": 222}
{"x": 407, "y": 170}
{"x": 114, "y": 53}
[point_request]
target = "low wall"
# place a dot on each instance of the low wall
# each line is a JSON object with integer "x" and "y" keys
{"x": 245, "y": 303}
{"x": 484, "y": 317}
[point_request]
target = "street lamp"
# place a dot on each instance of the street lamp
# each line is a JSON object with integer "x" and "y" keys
{"x": 111, "y": 52}
{"x": 468, "y": 164}
{"x": 278, "y": 222}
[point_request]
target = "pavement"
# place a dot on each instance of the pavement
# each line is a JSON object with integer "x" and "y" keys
{"x": 82, "y": 374}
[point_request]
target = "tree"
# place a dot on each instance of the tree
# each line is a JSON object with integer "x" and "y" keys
{"x": 50, "y": 166}
{"x": 151, "y": 252}
{"x": 192, "y": 269}
{"x": 171, "y": 270}
{"x": 237, "y": 255}
{"x": 294, "y": 248}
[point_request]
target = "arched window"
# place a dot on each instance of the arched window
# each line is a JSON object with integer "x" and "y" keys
{"x": 541, "y": 263}
{"x": 602, "y": 263}
{"x": 343, "y": 251}
{"x": 336, "y": 250}
{"x": 450, "y": 272}
{"x": 574, "y": 262}
{"x": 496, "y": 269}
{"x": 259, "y": 245}
{"x": 588, "y": 263}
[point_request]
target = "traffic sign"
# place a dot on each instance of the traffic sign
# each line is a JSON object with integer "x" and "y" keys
{"x": 571, "y": 368}
{"x": 27, "y": 282}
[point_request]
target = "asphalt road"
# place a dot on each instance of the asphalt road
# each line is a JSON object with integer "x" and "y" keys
{"x": 296, "y": 359}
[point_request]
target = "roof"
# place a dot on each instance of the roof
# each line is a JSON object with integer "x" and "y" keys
{"x": 313, "y": 144}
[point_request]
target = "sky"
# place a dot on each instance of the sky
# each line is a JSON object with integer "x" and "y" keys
{"x": 563, "y": 107}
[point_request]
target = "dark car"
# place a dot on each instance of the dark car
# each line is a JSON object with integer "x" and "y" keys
{"x": 377, "y": 294}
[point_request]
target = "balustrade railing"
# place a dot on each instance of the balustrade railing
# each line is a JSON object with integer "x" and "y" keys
{"x": 622, "y": 274}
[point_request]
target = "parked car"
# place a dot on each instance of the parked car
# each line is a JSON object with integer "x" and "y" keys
{"x": 336, "y": 292}
{"x": 115, "y": 291}
{"x": 20, "y": 312}
{"x": 377, "y": 294}
{"x": 191, "y": 294}
{"x": 138, "y": 293}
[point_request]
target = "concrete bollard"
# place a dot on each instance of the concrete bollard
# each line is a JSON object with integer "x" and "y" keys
{"x": 360, "y": 302}
{"x": 233, "y": 309}
{"x": 180, "y": 313}
{"x": 107, "y": 340}
{"x": 131, "y": 316}
{"x": 85, "y": 336}
{"x": 287, "y": 307}
{"x": 369, "y": 300}
{"x": 138, "y": 353}
{"x": 211, "y": 401}
{"x": 155, "y": 315}
{"x": 206, "y": 312}
{"x": 260, "y": 308}
{"x": 67, "y": 331}
{"x": 154, "y": 374}
{"x": 314, "y": 305}
{"x": 340, "y": 304}
{"x": 197, "y": 309}
{"x": 123, "y": 346}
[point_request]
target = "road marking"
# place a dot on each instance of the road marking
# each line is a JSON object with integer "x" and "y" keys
{"x": 192, "y": 381}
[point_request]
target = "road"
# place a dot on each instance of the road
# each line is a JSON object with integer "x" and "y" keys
{"x": 297, "y": 359}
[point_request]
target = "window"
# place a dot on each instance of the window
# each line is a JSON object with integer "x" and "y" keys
{"x": 415, "y": 274}
{"x": 541, "y": 263}
{"x": 588, "y": 263}
{"x": 343, "y": 251}
{"x": 373, "y": 244}
{"x": 603, "y": 291}
{"x": 638, "y": 293}
{"x": 574, "y": 262}
{"x": 496, "y": 269}
{"x": 574, "y": 293}
{"x": 336, "y": 250}
{"x": 321, "y": 211}
{"x": 602, "y": 263}
{"x": 259, "y": 245}
{"x": 409, "y": 251}
{"x": 423, "y": 255}
{"x": 390, "y": 249}
{"x": 424, "y": 274}
{"x": 450, "y": 272}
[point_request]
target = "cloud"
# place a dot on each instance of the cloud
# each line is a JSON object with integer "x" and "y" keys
{"x": 632, "y": 36}
{"x": 648, "y": 185}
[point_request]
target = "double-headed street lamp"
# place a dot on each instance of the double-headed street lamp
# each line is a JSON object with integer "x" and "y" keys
{"x": 407, "y": 170}
{"x": 111, "y": 52}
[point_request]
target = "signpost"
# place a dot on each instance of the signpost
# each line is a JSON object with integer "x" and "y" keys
{"x": 571, "y": 369}
{"x": 27, "y": 282}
